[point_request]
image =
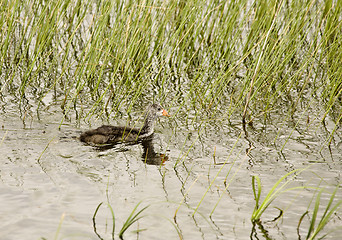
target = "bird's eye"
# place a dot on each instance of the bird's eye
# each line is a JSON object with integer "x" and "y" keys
{"x": 159, "y": 109}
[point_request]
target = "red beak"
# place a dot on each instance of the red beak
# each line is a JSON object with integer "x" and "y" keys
{"x": 165, "y": 113}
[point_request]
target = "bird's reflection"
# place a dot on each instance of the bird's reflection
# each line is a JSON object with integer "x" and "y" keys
{"x": 151, "y": 157}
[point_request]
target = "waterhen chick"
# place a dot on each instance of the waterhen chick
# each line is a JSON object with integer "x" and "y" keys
{"x": 108, "y": 134}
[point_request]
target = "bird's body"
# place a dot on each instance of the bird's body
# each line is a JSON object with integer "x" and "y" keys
{"x": 108, "y": 134}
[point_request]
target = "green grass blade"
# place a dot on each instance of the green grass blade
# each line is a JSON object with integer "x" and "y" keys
{"x": 132, "y": 218}
{"x": 326, "y": 217}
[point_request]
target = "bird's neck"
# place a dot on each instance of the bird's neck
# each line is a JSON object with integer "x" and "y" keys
{"x": 148, "y": 127}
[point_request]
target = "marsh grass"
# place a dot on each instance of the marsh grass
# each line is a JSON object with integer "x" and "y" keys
{"x": 317, "y": 223}
{"x": 59, "y": 226}
{"x": 278, "y": 188}
{"x": 113, "y": 220}
{"x": 254, "y": 52}
{"x": 134, "y": 216}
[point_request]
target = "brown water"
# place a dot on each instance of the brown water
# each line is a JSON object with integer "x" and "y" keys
{"x": 49, "y": 178}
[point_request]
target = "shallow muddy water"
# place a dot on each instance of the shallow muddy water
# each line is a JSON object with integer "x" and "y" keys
{"x": 68, "y": 66}
{"x": 49, "y": 178}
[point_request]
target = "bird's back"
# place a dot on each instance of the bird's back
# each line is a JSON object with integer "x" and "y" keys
{"x": 108, "y": 134}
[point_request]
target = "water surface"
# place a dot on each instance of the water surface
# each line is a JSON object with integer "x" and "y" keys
{"x": 48, "y": 177}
